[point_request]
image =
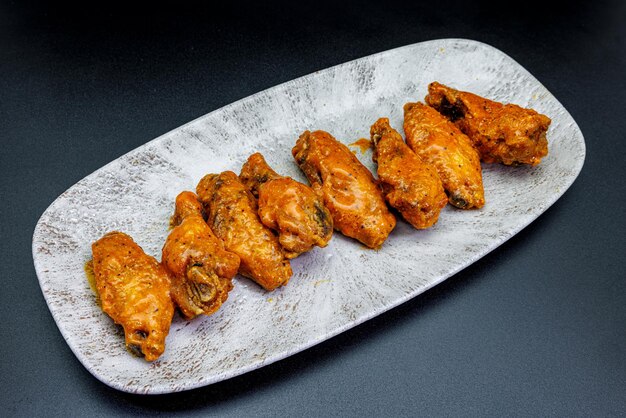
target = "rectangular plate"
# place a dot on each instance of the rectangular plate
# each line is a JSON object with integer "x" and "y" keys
{"x": 332, "y": 289}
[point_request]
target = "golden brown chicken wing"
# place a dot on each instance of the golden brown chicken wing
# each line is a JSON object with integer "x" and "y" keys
{"x": 134, "y": 291}
{"x": 290, "y": 208}
{"x": 506, "y": 134}
{"x": 202, "y": 270}
{"x": 232, "y": 215}
{"x": 348, "y": 188}
{"x": 441, "y": 144}
{"x": 410, "y": 185}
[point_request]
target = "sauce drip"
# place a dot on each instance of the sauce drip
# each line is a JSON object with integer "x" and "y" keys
{"x": 364, "y": 144}
{"x": 91, "y": 279}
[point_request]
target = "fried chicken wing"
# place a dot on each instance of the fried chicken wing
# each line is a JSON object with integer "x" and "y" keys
{"x": 232, "y": 215}
{"x": 349, "y": 190}
{"x": 410, "y": 185}
{"x": 290, "y": 208}
{"x": 201, "y": 269}
{"x": 441, "y": 144}
{"x": 134, "y": 291}
{"x": 507, "y": 134}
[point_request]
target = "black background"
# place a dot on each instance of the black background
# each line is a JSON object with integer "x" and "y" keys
{"x": 537, "y": 327}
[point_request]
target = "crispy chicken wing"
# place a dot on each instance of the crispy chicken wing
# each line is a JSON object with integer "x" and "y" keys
{"x": 134, "y": 291}
{"x": 232, "y": 215}
{"x": 348, "y": 188}
{"x": 440, "y": 143}
{"x": 410, "y": 185}
{"x": 290, "y": 208}
{"x": 501, "y": 133}
{"x": 202, "y": 270}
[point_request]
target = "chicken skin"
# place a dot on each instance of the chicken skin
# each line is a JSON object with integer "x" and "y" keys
{"x": 134, "y": 291}
{"x": 288, "y": 207}
{"x": 187, "y": 204}
{"x": 441, "y": 144}
{"x": 507, "y": 134}
{"x": 201, "y": 269}
{"x": 349, "y": 190}
{"x": 410, "y": 185}
{"x": 232, "y": 215}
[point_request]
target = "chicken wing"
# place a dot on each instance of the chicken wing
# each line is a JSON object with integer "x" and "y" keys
{"x": 501, "y": 133}
{"x": 134, "y": 290}
{"x": 202, "y": 270}
{"x": 288, "y": 207}
{"x": 349, "y": 190}
{"x": 441, "y": 144}
{"x": 232, "y": 215}
{"x": 410, "y": 185}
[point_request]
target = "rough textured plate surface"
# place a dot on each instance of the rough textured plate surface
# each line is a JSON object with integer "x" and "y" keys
{"x": 332, "y": 289}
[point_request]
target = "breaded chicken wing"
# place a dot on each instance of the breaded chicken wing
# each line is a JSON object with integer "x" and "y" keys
{"x": 349, "y": 190}
{"x": 441, "y": 144}
{"x": 202, "y": 270}
{"x": 134, "y": 291}
{"x": 506, "y": 134}
{"x": 288, "y": 207}
{"x": 410, "y": 185}
{"x": 232, "y": 215}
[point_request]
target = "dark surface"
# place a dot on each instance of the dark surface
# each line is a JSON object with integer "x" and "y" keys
{"x": 538, "y": 327}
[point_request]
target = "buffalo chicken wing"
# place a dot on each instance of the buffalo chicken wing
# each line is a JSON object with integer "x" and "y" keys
{"x": 232, "y": 215}
{"x": 349, "y": 190}
{"x": 507, "y": 134}
{"x": 290, "y": 208}
{"x": 202, "y": 270}
{"x": 440, "y": 143}
{"x": 134, "y": 290}
{"x": 410, "y": 185}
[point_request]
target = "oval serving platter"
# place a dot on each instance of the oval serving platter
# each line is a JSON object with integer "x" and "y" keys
{"x": 332, "y": 289}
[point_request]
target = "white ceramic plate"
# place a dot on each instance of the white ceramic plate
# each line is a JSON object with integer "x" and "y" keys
{"x": 332, "y": 289}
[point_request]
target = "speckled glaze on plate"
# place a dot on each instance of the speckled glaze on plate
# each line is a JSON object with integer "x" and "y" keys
{"x": 332, "y": 289}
